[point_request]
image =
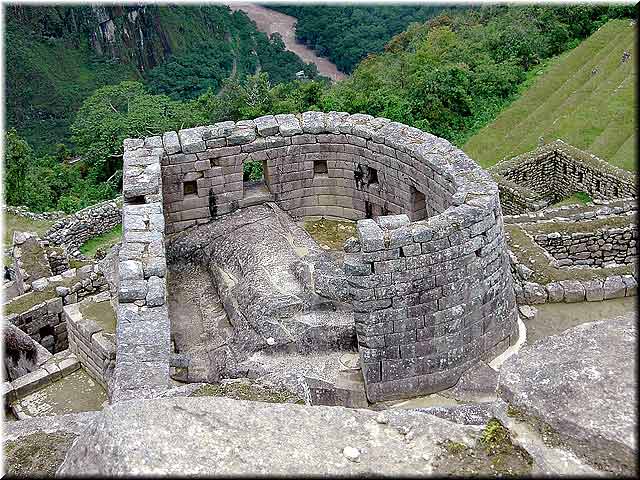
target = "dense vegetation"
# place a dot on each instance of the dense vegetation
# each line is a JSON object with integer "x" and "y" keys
{"x": 450, "y": 76}
{"x": 592, "y": 111}
{"x": 347, "y": 34}
{"x": 56, "y": 57}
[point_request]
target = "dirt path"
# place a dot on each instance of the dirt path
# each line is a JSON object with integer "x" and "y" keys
{"x": 270, "y": 21}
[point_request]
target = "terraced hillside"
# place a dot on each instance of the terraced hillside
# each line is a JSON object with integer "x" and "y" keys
{"x": 592, "y": 111}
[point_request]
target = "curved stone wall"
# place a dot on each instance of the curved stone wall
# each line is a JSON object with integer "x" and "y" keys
{"x": 430, "y": 285}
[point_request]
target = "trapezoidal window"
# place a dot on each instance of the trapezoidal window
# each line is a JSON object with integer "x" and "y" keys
{"x": 320, "y": 168}
{"x": 190, "y": 188}
{"x": 418, "y": 207}
{"x": 372, "y": 177}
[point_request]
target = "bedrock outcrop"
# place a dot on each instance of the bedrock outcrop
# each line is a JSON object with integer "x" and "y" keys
{"x": 579, "y": 389}
{"x": 218, "y": 436}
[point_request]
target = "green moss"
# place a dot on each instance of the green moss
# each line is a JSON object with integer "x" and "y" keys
{"x": 493, "y": 454}
{"x": 28, "y": 300}
{"x": 104, "y": 241}
{"x": 37, "y": 455}
{"x": 14, "y": 223}
{"x": 516, "y": 413}
{"x": 583, "y": 226}
{"x": 455, "y": 448}
{"x": 247, "y": 391}
{"x": 331, "y": 233}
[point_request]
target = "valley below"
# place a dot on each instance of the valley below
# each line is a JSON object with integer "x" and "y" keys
{"x": 269, "y": 21}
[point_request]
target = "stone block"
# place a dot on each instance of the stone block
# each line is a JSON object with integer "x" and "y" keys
{"x": 614, "y": 287}
{"x": 132, "y": 290}
{"x": 130, "y": 270}
{"x": 155, "y": 292}
{"x": 594, "y": 290}
{"x": 573, "y": 291}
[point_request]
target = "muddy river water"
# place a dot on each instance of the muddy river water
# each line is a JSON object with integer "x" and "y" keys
{"x": 269, "y": 21}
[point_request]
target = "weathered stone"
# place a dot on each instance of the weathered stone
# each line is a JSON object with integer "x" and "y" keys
{"x": 534, "y": 293}
{"x": 155, "y": 292}
{"x": 181, "y": 436}
{"x": 594, "y": 291}
{"x": 555, "y": 292}
{"x": 614, "y": 287}
{"x": 573, "y": 291}
{"x": 582, "y": 384}
{"x": 130, "y": 270}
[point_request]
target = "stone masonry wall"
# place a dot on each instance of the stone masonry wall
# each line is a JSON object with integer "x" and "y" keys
{"x": 74, "y": 230}
{"x": 143, "y": 331}
{"x": 556, "y": 171}
{"x": 596, "y": 248}
{"x": 339, "y": 165}
{"x": 441, "y": 284}
{"x": 94, "y": 348}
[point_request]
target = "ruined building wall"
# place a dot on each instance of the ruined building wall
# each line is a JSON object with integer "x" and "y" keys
{"x": 143, "y": 331}
{"x": 554, "y": 171}
{"x": 319, "y": 164}
{"x": 430, "y": 297}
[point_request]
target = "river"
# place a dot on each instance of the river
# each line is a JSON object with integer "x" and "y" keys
{"x": 269, "y": 21}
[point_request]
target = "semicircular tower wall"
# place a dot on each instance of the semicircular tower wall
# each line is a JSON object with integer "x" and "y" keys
{"x": 430, "y": 285}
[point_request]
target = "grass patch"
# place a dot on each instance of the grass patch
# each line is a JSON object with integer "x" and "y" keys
{"x": 492, "y": 455}
{"x": 248, "y": 391}
{"x": 533, "y": 256}
{"x": 581, "y": 198}
{"x": 104, "y": 241}
{"x": 14, "y": 223}
{"x": 37, "y": 455}
{"x": 593, "y": 112}
{"x": 583, "y": 226}
{"x": 102, "y": 313}
{"x": 330, "y": 233}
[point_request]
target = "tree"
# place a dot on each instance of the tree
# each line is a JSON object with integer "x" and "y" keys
{"x": 126, "y": 110}
{"x": 17, "y": 159}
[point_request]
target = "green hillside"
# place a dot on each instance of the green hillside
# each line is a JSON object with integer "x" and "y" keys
{"x": 594, "y": 112}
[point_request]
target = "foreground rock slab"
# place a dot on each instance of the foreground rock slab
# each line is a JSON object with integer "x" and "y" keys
{"x": 219, "y": 436}
{"x": 579, "y": 389}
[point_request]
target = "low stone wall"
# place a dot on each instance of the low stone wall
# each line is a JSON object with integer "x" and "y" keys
{"x": 74, "y": 230}
{"x": 56, "y": 367}
{"x": 41, "y": 318}
{"x": 143, "y": 330}
{"x": 451, "y": 300}
{"x": 555, "y": 171}
{"x": 92, "y": 345}
{"x": 571, "y": 291}
{"x": 617, "y": 245}
{"x": 22, "y": 211}
{"x": 577, "y": 212}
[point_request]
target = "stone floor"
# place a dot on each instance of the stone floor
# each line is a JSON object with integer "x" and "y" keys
{"x": 553, "y": 318}
{"x": 199, "y": 324}
{"x": 76, "y": 392}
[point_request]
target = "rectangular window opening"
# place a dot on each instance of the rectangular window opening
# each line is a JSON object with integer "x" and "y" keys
{"x": 372, "y": 176}
{"x": 190, "y": 188}
{"x": 320, "y": 168}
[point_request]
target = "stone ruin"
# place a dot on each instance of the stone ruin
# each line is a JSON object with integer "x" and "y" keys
{"x": 215, "y": 282}
{"x": 427, "y": 282}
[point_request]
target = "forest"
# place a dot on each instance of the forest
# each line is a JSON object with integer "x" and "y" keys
{"x": 450, "y": 75}
{"x": 347, "y": 34}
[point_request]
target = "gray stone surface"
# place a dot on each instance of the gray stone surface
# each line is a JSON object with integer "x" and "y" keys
{"x": 218, "y": 436}
{"x": 582, "y": 384}
{"x": 478, "y": 384}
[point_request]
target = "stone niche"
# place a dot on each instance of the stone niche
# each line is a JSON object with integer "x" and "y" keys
{"x": 429, "y": 278}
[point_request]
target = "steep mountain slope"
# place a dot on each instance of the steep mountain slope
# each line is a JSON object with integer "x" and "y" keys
{"x": 57, "y": 56}
{"x": 587, "y": 97}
